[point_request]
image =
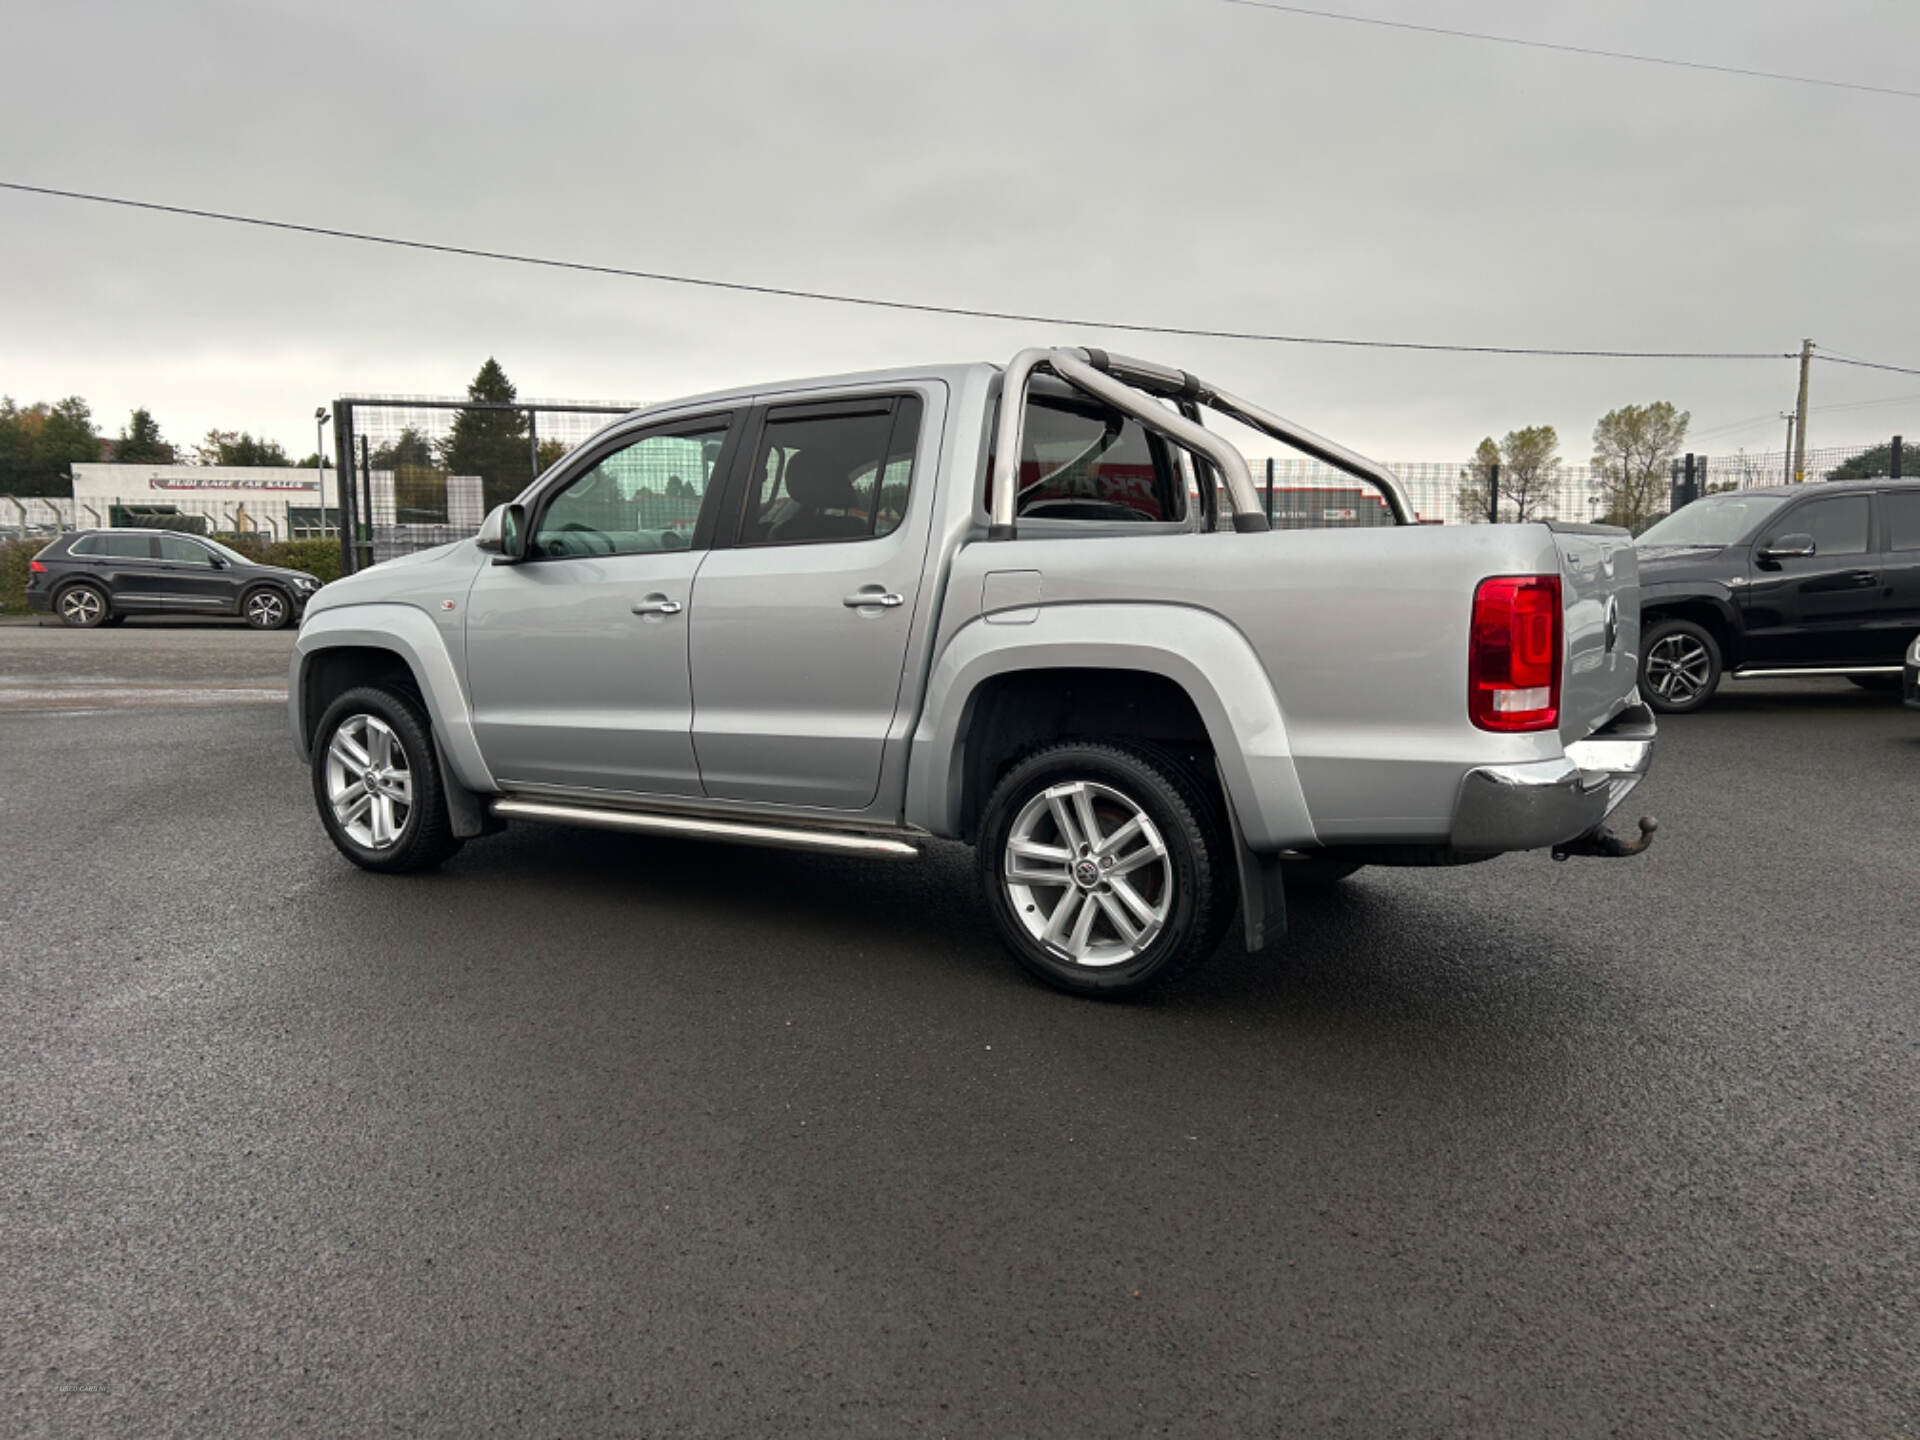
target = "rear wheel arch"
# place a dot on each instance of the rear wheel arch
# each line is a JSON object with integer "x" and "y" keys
{"x": 1010, "y": 715}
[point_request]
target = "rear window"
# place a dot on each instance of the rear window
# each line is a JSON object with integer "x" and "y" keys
{"x": 1903, "y": 520}
{"x": 118, "y": 547}
{"x": 1080, "y": 460}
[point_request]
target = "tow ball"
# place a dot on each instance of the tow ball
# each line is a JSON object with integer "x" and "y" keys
{"x": 1607, "y": 845}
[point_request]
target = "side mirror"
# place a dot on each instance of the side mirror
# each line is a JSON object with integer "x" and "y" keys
{"x": 503, "y": 533}
{"x": 219, "y": 562}
{"x": 1788, "y": 547}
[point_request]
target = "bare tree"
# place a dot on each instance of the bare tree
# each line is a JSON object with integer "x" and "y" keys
{"x": 1529, "y": 464}
{"x": 1633, "y": 449}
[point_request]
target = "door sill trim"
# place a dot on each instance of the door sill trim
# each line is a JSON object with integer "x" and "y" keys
{"x": 1812, "y": 673}
{"x": 788, "y": 837}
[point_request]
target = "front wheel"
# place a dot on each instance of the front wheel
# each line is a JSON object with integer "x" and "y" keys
{"x": 267, "y": 609}
{"x": 1107, "y": 869}
{"x": 377, "y": 783}
{"x": 1679, "y": 666}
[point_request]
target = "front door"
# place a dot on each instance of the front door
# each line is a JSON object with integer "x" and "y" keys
{"x": 577, "y": 656}
{"x": 800, "y": 627}
{"x": 1818, "y": 609}
{"x": 192, "y": 578}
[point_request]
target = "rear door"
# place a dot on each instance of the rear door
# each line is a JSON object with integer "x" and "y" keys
{"x": 1899, "y": 572}
{"x": 125, "y": 562}
{"x": 1817, "y": 609}
{"x": 801, "y": 623}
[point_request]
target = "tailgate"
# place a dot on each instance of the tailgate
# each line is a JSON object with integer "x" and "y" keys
{"x": 1600, "y": 588}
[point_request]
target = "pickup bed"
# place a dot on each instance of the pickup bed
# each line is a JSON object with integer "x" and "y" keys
{"x": 1036, "y": 608}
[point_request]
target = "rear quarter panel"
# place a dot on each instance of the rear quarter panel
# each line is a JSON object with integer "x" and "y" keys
{"x": 1362, "y": 635}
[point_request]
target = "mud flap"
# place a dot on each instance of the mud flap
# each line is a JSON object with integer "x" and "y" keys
{"x": 1263, "y": 894}
{"x": 467, "y": 813}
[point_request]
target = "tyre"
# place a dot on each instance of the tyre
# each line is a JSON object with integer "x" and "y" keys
{"x": 1877, "y": 684}
{"x": 266, "y": 608}
{"x": 1679, "y": 666}
{"x": 1312, "y": 872}
{"x": 83, "y": 606}
{"x": 377, "y": 783}
{"x": 1108, "y": 869}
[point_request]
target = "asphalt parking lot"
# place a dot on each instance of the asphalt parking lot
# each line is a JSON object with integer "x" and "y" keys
{"x": 596, "y": 1135}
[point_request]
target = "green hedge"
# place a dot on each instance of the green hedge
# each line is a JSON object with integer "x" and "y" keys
{"x": 319, "y": 558}
{"x": 14, "y": 555}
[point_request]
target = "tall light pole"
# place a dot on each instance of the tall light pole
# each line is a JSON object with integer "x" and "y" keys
{"x": 320, "y": 459}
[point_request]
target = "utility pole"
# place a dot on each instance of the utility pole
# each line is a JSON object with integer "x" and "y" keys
{"x": 1787, "y": 415}
{"x": 1800, "y": 413}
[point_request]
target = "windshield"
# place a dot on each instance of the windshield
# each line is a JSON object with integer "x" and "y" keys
{"x": 1717, "y": 520}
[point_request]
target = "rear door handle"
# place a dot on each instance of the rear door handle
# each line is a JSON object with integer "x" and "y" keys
{"x": 1864, "y": 579}
{"x": 656, "y": 605}
{"x": 875, "y": 596}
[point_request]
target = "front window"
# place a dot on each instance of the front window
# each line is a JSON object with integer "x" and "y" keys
{"x": 1715, "y": 521}
{"x": 184, "y": 552}
{"x": 642, "y": 497}
{"x": 1838, "y": 525}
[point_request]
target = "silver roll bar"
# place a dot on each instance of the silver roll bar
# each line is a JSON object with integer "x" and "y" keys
{"x": 1231, "y": 464}
{"x": 1126, "y": 383}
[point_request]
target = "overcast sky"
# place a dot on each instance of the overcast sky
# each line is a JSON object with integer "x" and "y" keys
{"x": 1184, "y": 162}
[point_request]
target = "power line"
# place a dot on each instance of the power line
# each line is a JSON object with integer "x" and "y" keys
{"x": 878, "y": 303}
{"x": 1573, "y": 49}
{"x": 1829, "y": 356}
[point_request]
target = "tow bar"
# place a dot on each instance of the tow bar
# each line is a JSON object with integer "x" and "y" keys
{"x": 1606, "y": 845}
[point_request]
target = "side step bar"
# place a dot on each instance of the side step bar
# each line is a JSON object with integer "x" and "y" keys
{"x": 1813, "y": 674}
{"x": 841, "y": 842}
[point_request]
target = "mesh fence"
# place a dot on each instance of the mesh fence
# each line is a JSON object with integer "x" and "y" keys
{"x": 425, "y": 471}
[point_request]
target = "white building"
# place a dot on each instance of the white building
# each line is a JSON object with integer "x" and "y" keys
{"x": 279, "y": 502}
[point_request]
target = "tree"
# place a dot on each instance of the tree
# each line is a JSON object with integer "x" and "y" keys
{"x": 490, "y": 443}
{"x": 410, "y": 450}
{"x": 140, "y": 442}
{"x": 1529, "y": 462}
{"x": 228, "y": 447}
{"x": 1633, "y": 448}
{"x": 1474, "y": 479}
{"x": 40, "y": 443}
{"x": 1869, "y": 464}
{"x": 315, "y": 461}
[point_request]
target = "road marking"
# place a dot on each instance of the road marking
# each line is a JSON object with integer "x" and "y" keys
{"x": 19, "y": 695}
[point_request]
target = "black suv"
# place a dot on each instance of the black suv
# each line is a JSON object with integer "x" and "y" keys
{"x": 1816, "y": 579}
{"x": 99, "y": 577}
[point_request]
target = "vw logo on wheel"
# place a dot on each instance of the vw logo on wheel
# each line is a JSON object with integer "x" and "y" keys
{"x": 1087, "y": 873}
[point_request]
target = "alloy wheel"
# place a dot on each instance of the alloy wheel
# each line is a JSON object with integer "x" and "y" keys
{"x": 266, "y": 610}
{"x": 1088, "y": 873}
{"x": 368, "y": 783}
{"x": 81, "y": 606}
{"x": 1679, "y": 668}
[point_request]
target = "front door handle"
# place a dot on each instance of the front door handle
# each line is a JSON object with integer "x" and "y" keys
{"x": 656, "y": 605}
{"x": 875, "y": 596}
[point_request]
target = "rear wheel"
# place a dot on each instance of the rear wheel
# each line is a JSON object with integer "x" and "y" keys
{"x": 1679, "y": 666}
{"x": 1107, "y": 868}
{"x": 83, "y": 606}
{"x": 377, "y": 783}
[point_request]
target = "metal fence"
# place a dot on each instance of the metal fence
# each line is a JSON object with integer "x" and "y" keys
{"x": 423, "y": 471}
{"x": 426, "y": 471}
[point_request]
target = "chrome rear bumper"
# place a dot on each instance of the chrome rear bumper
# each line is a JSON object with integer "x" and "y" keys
{"x": 1550, "y": 802}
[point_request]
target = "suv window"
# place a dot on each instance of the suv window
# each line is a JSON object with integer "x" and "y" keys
{"x": 1838, "y": 525}
{"x": 1901, "y": 510}
{"x": 118, "y": 547}
{"x": 1081, "y": 460}
{"x": 642, "y": 497}
{"x": 172, "y": 547}
{"x": 838, "y": 472}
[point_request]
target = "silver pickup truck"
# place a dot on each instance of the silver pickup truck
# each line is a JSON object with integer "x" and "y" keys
{"x": 1038, "y": 608}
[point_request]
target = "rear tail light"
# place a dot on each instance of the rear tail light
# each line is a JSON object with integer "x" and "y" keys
{"x": 1513, "y": 653}
{"x": 36, "y": 567}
